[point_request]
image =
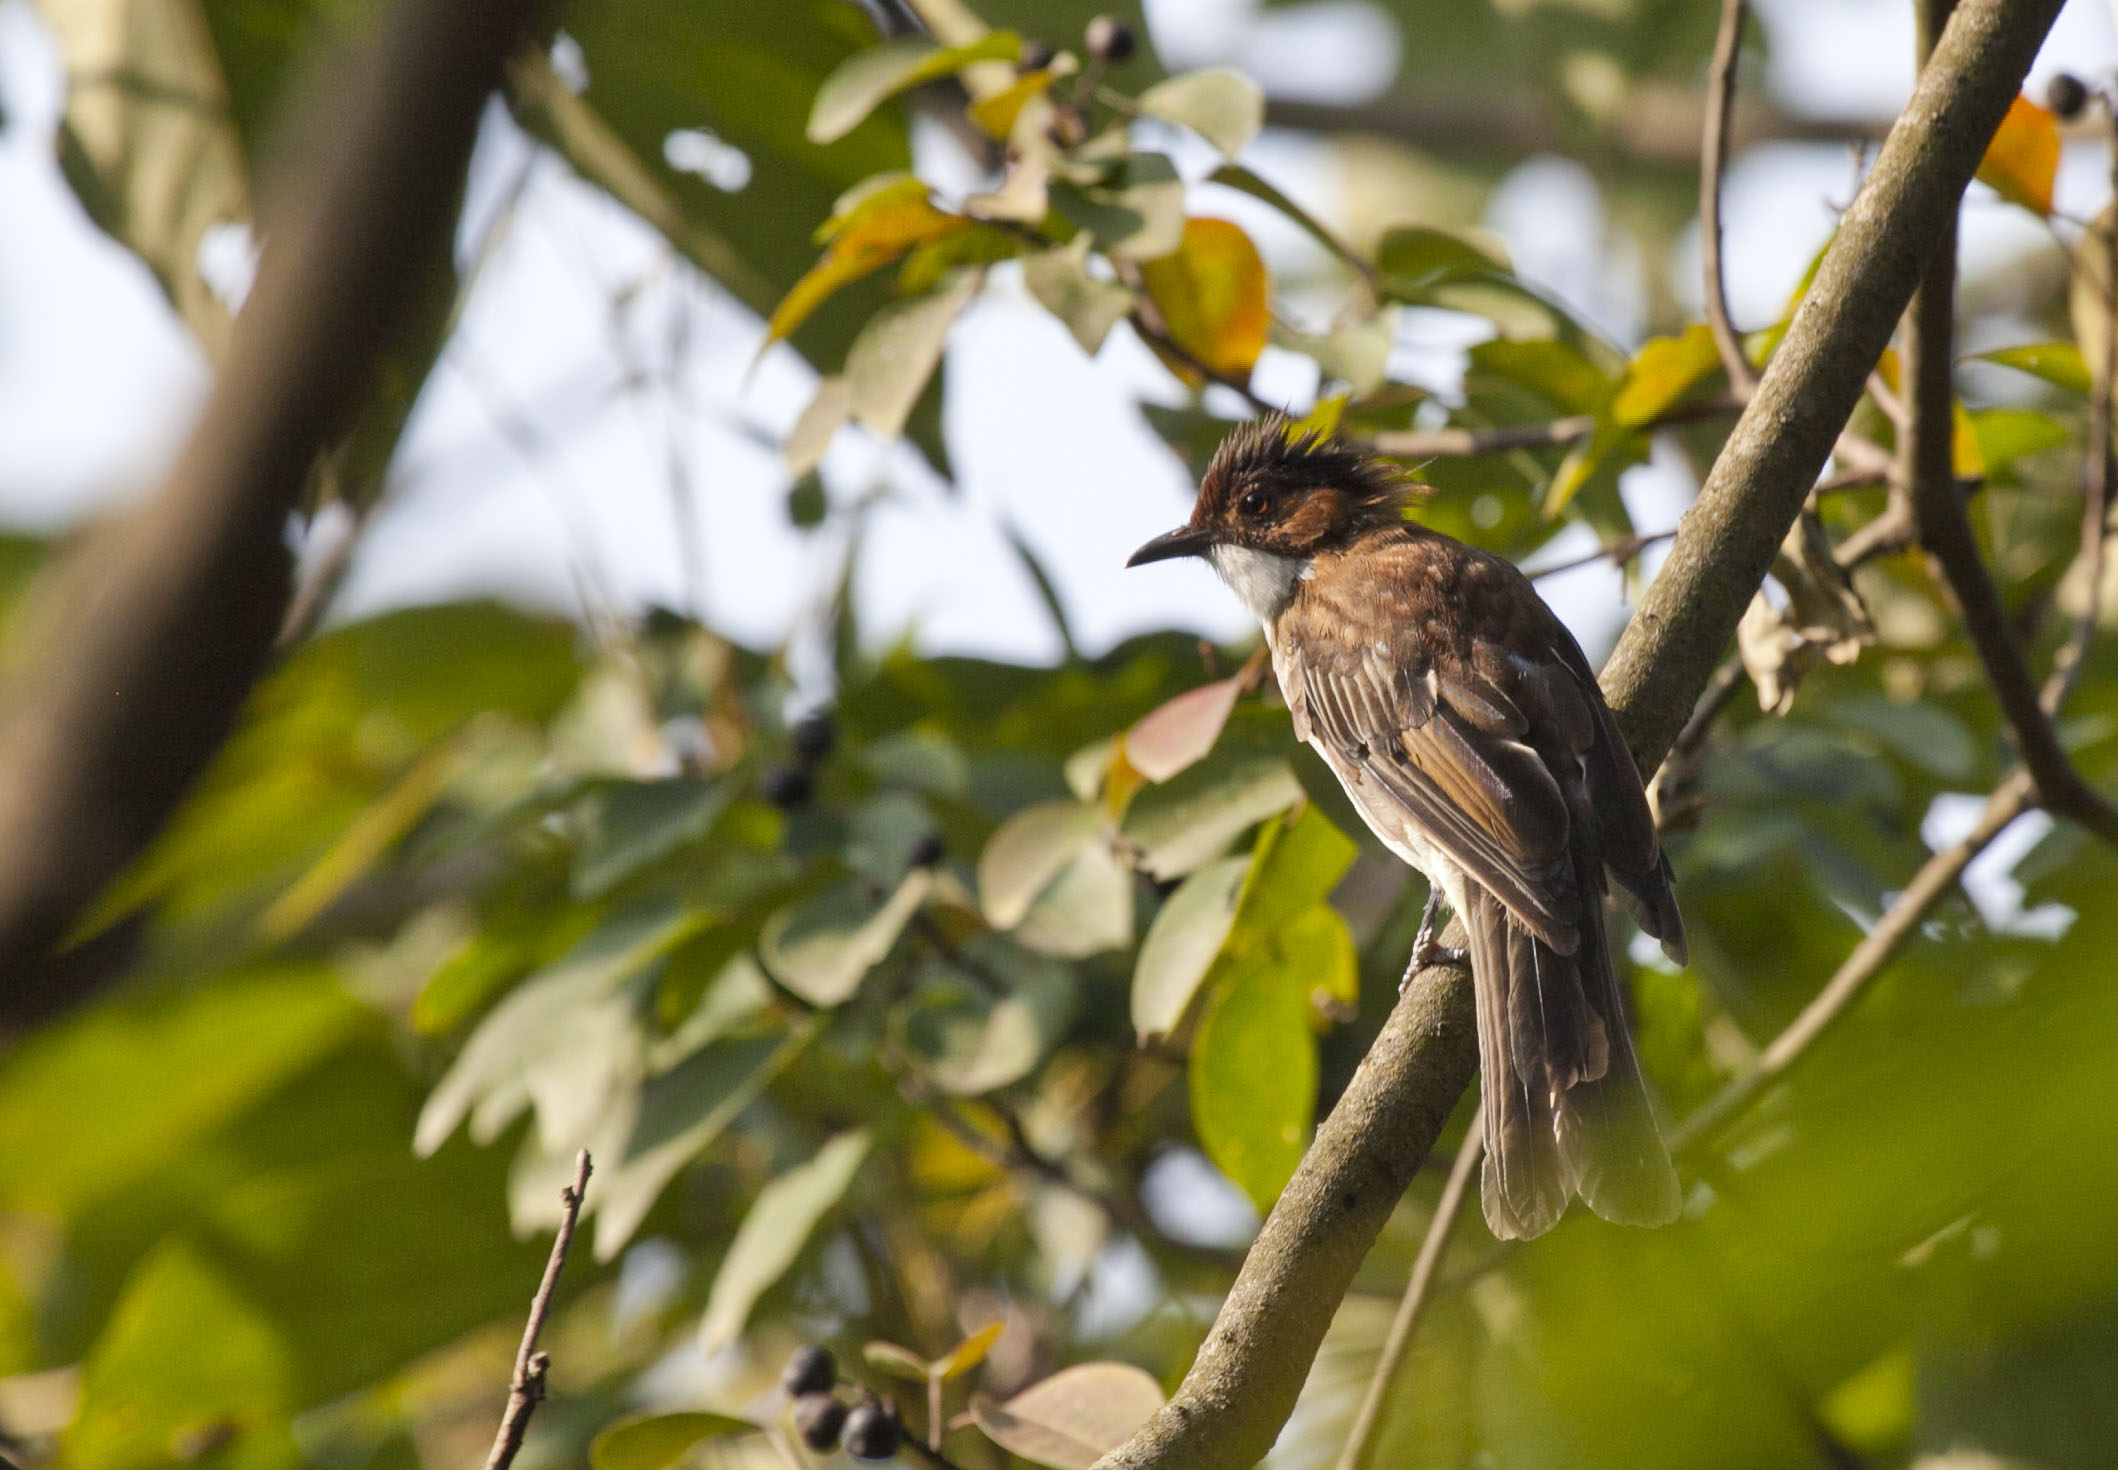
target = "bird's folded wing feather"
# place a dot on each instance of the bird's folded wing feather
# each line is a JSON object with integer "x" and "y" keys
{"x": 1447, "y": 747}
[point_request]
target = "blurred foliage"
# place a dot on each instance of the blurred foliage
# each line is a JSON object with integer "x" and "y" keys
{"x": 964, "y": 1026}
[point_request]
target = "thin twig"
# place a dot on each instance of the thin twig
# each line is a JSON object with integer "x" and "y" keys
{"x": 1413, "y": 1303}
{"x": 1892, "y": 531}
{"x": 1936, "y": 877}
{"x": 2072, "y": 657}
{"x": 1249, "y": 1370}
{"x": 1155, "y": 335}
{"x": 526, "y": 1390}
{"x": 1619, "y": 552}
{"x": 1713, "y": 159}
{"x": 1458, "y": 442}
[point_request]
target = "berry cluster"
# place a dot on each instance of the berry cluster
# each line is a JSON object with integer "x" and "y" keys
{"x": 810, "y": 740}
{"x": 866, "y": 1430}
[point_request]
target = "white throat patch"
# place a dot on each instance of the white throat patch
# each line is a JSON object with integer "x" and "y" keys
{"x": 1264, "y": 581}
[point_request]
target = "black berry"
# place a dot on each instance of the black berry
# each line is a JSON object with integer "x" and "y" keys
{"x": 1034, "y": 56}
{"x": 818, "y": 1418}
{"x": 812, "y": 737}
{"x": 2066, "y": 96}
{"x": 1109, "y": 39}
{"x": 871, "y": 1433}
{"x": 810, "y": 1370}
{"x": 928, "y": 851}
{"x": 787, "y": 787}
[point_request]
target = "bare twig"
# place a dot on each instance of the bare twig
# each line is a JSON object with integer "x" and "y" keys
{"x": 1251, "y": 1367}
{"x": 1891, "y": 531}
{"x": 1153, "y": 333}
{"x": 1713, "y": 159}
{"x": 1618, "y": 552}
{"x": 1458, "y": 442}
{"x": 1411, "y": 1306}
{"x": 1659, "y": 125}
{"x": 1936, "y": 877}
{"x": 2072, "y": 657}
{"x": 526, "y": 1390}
{"x": 1945, "y": 528}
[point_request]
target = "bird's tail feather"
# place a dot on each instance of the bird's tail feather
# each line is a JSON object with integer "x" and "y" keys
{"x": 1566, "y": 1112}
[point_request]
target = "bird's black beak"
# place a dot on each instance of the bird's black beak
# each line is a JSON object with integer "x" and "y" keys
{"x": 1184, "y": 541}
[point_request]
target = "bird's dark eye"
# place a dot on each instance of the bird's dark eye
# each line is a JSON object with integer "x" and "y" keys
{"x": 1254, "y": 503}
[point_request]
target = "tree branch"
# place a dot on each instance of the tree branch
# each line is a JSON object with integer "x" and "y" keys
{"x": 1461, "y": 442}
{"x": 1660, "y": 124}
{"x": 1713, "y": 159}
{"x": 1251, "y": 1367}
{"x": 141, "y": 647}
{"x": 1945, "y": 528}
{"x": 526, "y": 1390}
{"x": 1413, "y": 1304}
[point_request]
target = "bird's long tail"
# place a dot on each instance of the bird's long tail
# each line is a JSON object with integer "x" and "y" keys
{"x": 1566, "y": 1110}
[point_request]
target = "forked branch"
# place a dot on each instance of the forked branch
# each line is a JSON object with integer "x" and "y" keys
{"x": 1251, "y": 1367}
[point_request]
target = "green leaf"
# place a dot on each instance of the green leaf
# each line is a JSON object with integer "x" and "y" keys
{"x": 2058, "y": 363}
{"x": 1665, "y": 370}
{"x": 1073, "y": 1418}
{"x": 655, "y": 1441}
{"x": 1223, "y": 107}
{"x": 772, "y": 1235}
{"x": 630, "y": 825}
{"x": 559, "y": 1037}
{"x": 1416, "y": 258}
{"x": 1182, "y": 943}
{"x": 1317, "y": 947}
{"x": 1253, "y": 1077}
{"x": 187, "y": 1357}
{"x": 68, "y": 1123}
{"x": 1195, "y": 815}
{"x": 1136, "y": 211}
{"x": 822, "y": 947}
{"x": 1086, "y": 910}
{"x": 863, "y": 82}
{"x": 975, "y": 1042}
{"x": 148, "y": 144}
{"x": 1029, "y": 850}
{"x": 680, "y": 1113}
{"x": 1241, "y": 179}
{"x": 2005, "y": 435}
{"x": 895, "y": 354}
{"x": 898, "y": 1362}
{"x": 1562, "y": 375}
{"x": 1297, "y": 863}
{"x": 1089, "y": 308}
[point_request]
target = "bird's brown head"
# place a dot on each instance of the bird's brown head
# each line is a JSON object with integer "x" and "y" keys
{"x": 1287, "y": 496}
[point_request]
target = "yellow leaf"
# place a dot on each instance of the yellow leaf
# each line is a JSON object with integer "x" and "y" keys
{"x": 871, "y": 228}
{"x": 1323, "y": 419}
{"x": 2023, "y": 156}
{"x": 1213, "y": 295}
{"x": 996, "y": 114}
{"x": 1666, "y": 369}
{"x": 1966, "y": 462}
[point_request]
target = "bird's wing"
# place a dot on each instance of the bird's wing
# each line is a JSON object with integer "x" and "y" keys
{"x": 1447, "y": 746}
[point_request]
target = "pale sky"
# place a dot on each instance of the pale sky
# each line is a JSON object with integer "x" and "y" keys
{"x": 558, "y": 437}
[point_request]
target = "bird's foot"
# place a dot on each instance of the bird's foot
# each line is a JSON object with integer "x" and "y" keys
{"x": 1427, "y": 948}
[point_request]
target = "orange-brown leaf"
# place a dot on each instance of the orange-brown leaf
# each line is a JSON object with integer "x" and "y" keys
{"x": 1213, "y": 296}
{"x": 2024, "y": 156}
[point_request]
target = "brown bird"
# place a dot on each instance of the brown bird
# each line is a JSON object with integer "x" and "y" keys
{"x": 1467, "y": 728}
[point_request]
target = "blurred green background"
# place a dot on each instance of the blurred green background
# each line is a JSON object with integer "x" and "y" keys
{"x": 534, "y": 839}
